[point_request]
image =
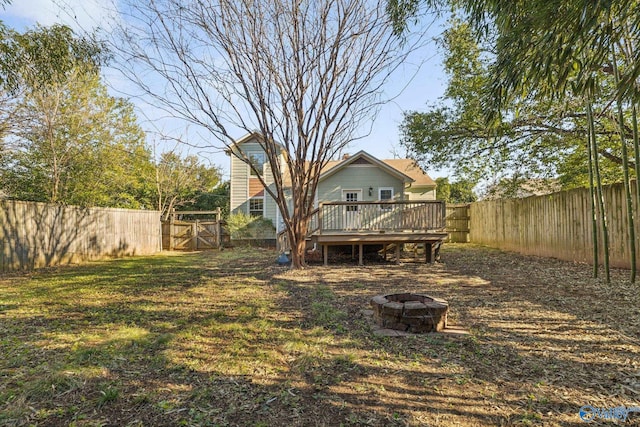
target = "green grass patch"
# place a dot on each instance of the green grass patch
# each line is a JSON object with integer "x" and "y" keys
{"x": 149, "y": 334}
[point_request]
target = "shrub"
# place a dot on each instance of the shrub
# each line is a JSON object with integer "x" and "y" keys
{"x": 243, "y": 226}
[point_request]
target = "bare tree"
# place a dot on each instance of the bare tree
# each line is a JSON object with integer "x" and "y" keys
{"x": 307, "y": 74}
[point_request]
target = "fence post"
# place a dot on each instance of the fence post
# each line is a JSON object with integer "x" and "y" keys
{"x": 218, "y": 228}
{"x": 194, "y": 235}
{"x": 172, "y": 229}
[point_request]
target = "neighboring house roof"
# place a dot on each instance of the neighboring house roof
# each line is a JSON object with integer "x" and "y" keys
{"x": 521, "y": 188}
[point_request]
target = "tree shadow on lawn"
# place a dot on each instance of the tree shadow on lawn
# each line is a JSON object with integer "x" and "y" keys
{"x": 216, "y": 352}
{"x": 231, "y": 339}
{"x": 536, "y": 343}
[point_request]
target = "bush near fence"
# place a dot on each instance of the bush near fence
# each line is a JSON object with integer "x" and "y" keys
{"x": 34, "y": 235}
{"x": 557, "y": 225}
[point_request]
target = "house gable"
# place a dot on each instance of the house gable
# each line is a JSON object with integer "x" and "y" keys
{"x": 363, "y": 158}
{"x": 361, "y": 173}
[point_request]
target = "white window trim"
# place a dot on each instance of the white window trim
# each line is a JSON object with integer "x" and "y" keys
{"x": 254, "y": 153}
{"x": 354, "y": 190}
{"x": 264, "y": 204}
{"x": 380, "y": 190}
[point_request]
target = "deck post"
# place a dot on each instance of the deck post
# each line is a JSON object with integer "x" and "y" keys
{"x": 325, "y": 252}
{"x": 398, "y": 252}
{"x": 360, "y": 254}
{"x": 428, "y": 252}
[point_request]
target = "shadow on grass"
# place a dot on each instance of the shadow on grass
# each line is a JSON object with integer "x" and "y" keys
{"x": 230, "y": 339}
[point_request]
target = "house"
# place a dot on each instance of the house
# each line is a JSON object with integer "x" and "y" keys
{"x": 357, "y": 178}
{"x": 360, "y": 200}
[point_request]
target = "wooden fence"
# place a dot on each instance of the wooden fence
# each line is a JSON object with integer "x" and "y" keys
{"x": 556, "y": 225}
{"x": 34, "y": 235}
{"x": 457, "y": 220}
{"x": 193, "y": 234}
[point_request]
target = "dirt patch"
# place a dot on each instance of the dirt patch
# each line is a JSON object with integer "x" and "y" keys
{"x": 545, "y": 339}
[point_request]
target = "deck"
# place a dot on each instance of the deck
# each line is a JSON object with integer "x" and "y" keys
{"x": 389, "y": 224}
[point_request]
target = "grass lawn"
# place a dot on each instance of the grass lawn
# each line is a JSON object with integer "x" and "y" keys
{"x": 230, "y": 339}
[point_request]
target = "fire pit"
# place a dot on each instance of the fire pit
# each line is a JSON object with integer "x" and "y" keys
{"x": 415, "y": 313}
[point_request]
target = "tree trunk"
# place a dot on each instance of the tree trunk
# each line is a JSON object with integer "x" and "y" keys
{"x": 601, "y": 206}
{"x": 298, "y": 247}
{"x": 625, "y": 171}
{"x": 636, "y": 149}
{"x": 592, "y": 193}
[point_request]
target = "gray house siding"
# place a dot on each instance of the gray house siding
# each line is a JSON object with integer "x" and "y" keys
{"x": 240, "y": 175}
{"x": 239, "y": 186}
{"x": 359, "y": 177}
{"x": 420, "y": 193}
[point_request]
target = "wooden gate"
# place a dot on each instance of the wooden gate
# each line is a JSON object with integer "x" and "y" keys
{"x": 457, "y": 219}
{"x": 193, "y": 235}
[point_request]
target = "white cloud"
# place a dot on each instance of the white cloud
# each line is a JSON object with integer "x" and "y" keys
{"x": 78, "y": 14}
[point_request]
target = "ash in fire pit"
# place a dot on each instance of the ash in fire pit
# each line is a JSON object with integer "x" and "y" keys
{"x": 410, "y": 312}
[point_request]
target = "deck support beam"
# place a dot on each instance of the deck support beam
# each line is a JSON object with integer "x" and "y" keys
{"x": 389, "y": 241}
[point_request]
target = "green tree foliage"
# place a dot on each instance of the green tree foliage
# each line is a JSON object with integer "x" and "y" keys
{"x": 210, "y": 200}
{"x": 76, "y": 145}
{"x": 460, "y": 191}
{"x": 44, "y": 56}
{"x": 531, "y": 139}
{"x": 67, "y": 140}
{"x": 578, "y": 53}
{"x": 443, "y": 189}
{"x": 185, "y": 181}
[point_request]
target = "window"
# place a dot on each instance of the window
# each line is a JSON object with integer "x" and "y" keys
{"x": 351, "y": 196}
{"x": 258, "y": 161}
{"x": 385, "y": 194}
{"x": 256, "y": 206}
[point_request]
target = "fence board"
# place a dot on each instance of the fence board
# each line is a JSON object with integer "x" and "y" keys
{"x": 192, "y": 235}
{"x": 34, "y": 235}
{"x": 556, "y": 225}
{"x": 457, "y": 223}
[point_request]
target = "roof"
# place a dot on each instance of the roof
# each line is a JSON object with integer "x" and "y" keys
{"x": 407, "y": 167}
{"x": 406, "y": 170}
{"x": 410, "y": 167}
{"x": 333, "y": 167}
{"x": 251, "y": 136}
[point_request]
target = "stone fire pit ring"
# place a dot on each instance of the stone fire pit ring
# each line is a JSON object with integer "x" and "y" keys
{"x": 416, "y": 313}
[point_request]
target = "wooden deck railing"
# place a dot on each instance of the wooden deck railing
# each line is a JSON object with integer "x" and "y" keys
{"x": 392, "y": 216}
{"x": 380, "y": 216}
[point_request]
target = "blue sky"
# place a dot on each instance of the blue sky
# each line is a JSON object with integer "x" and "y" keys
{"x": 420, "y": 81}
